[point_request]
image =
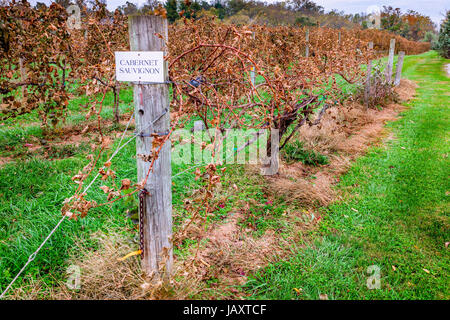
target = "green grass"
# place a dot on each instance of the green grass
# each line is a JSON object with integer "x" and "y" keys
{"x": 394, "y": 213}
{"x": 14, "y": 138}
{"x": 31, "y": 195}
{"x": 295, "y": 151}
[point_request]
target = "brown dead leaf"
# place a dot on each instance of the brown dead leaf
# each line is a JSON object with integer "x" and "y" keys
{"x": 105, "y": 189}
{"x": 126, "y": 184}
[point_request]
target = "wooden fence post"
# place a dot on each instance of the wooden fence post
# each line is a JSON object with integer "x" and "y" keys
{"x": 390, "y": 62}
{"x": 116, "y": 102}
{"x": 199, "y": 126}
{"x": 23, "y": 78}
{"x": 398, "y": 73}
{"x": 367, "y": 87}
{"x": 307, "y": 44}
{"x": 153, "y": 117}
{"x": 252, "y": 72}
{"x": 339, "y": 39}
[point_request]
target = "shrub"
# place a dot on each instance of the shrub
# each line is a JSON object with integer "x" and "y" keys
{"x": 444, "y": 38}
{"x": 381, "y": 92}
{"x": 432, "y": 38}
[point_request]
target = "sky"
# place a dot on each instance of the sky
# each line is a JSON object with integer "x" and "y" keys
{"x": 435, "y": 9}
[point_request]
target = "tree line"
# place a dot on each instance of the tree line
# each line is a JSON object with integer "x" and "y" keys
{"x": 410, "y": 24}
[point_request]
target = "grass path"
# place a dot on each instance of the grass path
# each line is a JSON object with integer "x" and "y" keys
{"x": 394, "y": 213}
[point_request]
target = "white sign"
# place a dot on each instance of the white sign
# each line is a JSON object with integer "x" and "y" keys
{"x": 140, "y": 66}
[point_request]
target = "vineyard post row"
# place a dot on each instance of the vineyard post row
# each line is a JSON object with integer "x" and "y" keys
{"x": 152, "y": 101}
{"x": 390, "y": 62}
{"x": 152, "y": 112}
{"x": 388, "y": 71}
{"x": 307, "y": 44}
{"x": 367, "y": 88}
{"x": 390, "y": 65}
{"x": 398, "y": 73}
{"x": 252, "y": 72}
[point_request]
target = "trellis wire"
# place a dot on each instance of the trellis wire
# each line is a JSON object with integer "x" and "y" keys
{"x": 32, "y": 257}
{"x": 34, "y": 254}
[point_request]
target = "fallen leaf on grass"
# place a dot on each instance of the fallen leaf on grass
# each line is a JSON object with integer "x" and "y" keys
{"x": 105, "y": 189}
{"x": 426, "y": 270}
{"x": 298, "y": 291}
{"x": 323, "y": 296}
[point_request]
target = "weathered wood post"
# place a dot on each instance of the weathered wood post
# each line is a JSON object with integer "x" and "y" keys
{"x": 367, "y": 87}
{"x": 252, "y": 72}
{"x": 23, "y": 78}
{"x": 116, "y": 102}
{"x": 153, "y": 118}
{"x": 339, "y": 38}
{"x": 398, "y": 72}
{"x": 390, "y": 63}
{"x": 199, "y": 126}
{"x": 307, "y": 44}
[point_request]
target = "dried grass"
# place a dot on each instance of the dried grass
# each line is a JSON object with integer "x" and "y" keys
{"x": 324, "y": 138}
{"x": 406, "y": 90}
{"x": 308, "y": 192}
{"x": 227, "y": 254}
{"x": 103, "y": 276}
{"x": 32, "y": 289}
{"x": 343, "y": 134}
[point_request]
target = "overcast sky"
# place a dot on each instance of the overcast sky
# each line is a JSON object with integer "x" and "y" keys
{"x": 435, "y": 9}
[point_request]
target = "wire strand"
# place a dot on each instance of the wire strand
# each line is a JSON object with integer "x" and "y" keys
{"x": 32, "y": 257}
{"x": 34, "y": 254}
